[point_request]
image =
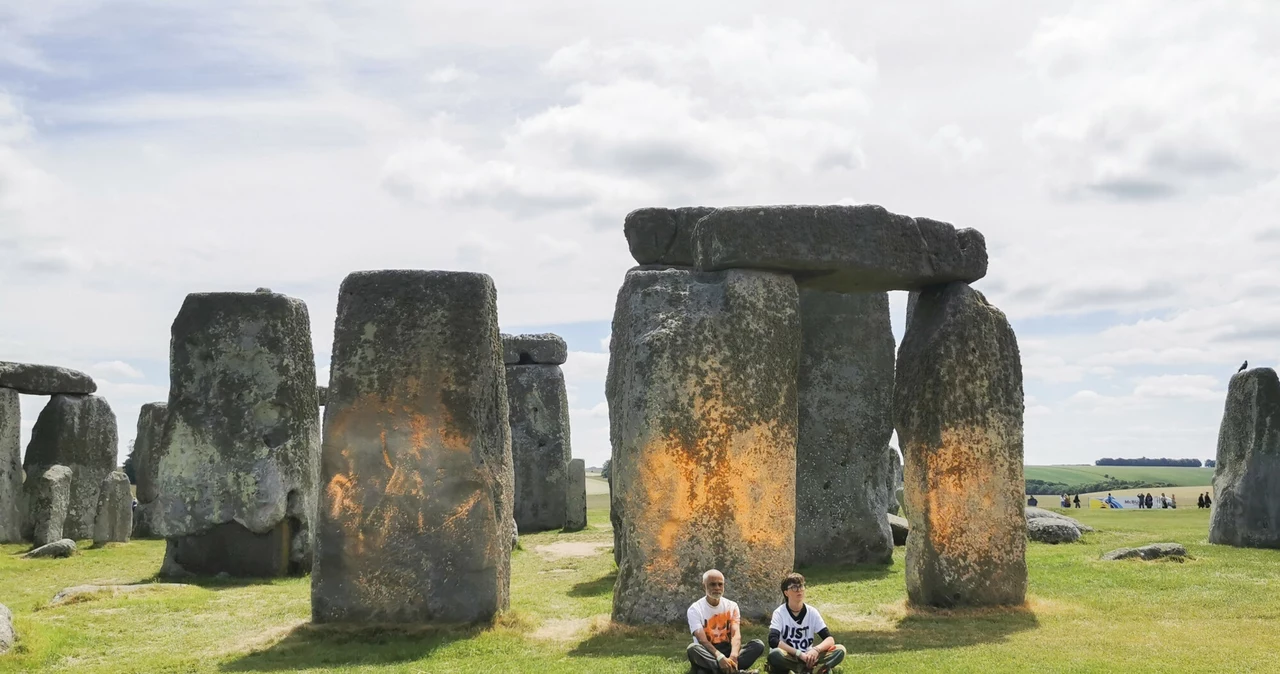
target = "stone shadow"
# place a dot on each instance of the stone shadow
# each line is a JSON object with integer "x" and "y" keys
{"x": 595, "y": 588}
{"x": 311, "y": 646}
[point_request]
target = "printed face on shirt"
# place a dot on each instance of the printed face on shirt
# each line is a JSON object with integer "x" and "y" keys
{"x": 718, "y": 628}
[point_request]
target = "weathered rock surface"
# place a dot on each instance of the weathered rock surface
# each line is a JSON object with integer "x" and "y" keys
{"x": 663, "y": 235}
{"x": 416, "y": 520}
{"x": 958, "y": 406}
{"x": 900, "y": 497}
{"x": 539, "y": 410}
{"x": 80, "y": 593}
{"x": 1050, "y": 530}
{"x": 702, "y": 410}
{"x": 575, "y": 515}
{"x": 44, "y": 380}
{"x": 322, "y": 395}
{"x": 60, "y": 548}
{"x": 842, "y": 248}
{"x": 900, "y": 528}
{"x": 845, "y": 394}
{"x": 146, "y": 466}
{"x": 114, "y": 522}
{"x": 79, "y": 432}
{"x": 1246, "y": 480}
{"x": 7, "y": 635}
{"x": 541, "y": 349}
{"x": 10, "y": 467}
{"x": 242, "y": 433}
{"x": 1033, "y": 512}
{"x": 46, "y": 496}
{"x": 1147, "y": 552}
{"x": 895, "y": 478}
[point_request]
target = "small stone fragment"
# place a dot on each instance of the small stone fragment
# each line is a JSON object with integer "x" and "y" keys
{"x": 900, "y": 528}
{"x": 115, "y": 510}
{"x": 57, "y": 549}
{"x": 1050, "y": 530}
{"x": 1033, "y": 512}
{"x": 10, "y": 467}
{"x": 576, "y": 498}
{"x": 1246, "y": 479}
{"x": 1147, "y": 552}
{"x": 540, "y": 349}
{"x": 44, "y": 380}
{"x": 79, "y": 432}
{"x": 46, "y": 497}
{"x": 840, "y": 248}
{"x": 663, "y": 235}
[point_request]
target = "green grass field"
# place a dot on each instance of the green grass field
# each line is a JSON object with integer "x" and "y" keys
{"x": 1214, "y": 613}
{"x": 1180, "y": 477}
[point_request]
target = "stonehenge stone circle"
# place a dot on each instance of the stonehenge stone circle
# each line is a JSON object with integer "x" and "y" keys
{"x": 44, "y": 380}
{"x": 79, "y": 432}
{"x": 845, "y": 394}
{"x": 10, "y": 467}
{"x": 538, "y": 405}
{"x": 576, "y": 497}
{"x": 46, "y": 497}
{"x": 114, "y": 522}
{"x": 701, "y": 389}
{"x": 958, "y": 407}
{"x": 415, "y": 520}
{"x": 241, "y": 441}
{"x": 538, "y": 349}
{"x": 1246, "y": 479}
{"x": 850, "y": 249}
{"x": 146, "y": 465}
{"x": 663, "y": 235}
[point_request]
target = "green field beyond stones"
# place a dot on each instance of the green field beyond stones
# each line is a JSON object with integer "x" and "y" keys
{"x": 1215, "y": 613}
{"x": 1179, "y": 477}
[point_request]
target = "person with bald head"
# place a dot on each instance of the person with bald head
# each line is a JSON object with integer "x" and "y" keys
{"x": 716, "y": 625}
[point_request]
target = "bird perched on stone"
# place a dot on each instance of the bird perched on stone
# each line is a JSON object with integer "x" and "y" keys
{"x": 1243, "y": 366}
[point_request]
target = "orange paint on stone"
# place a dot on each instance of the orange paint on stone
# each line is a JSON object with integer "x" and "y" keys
{"x": 963, "y": 496}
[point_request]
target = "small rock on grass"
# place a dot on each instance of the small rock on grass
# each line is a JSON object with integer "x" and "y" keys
{"x": 1148, "y": 552}
{"x": 61, "y": 548}
{"x": 1050, "y": 530}
{"x": 83, "y": 592}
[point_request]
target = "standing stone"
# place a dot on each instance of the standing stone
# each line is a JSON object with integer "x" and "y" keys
{"x": 1246, "y": 479}
{"x": 241, "y": 444}
{"x": 146, "y": 465}
{"x": 115, "y": 510}
{"x": 845, "y": 392}
{"x": 322, "y": 395}
{"x": 416, "y": 522}
{"x": 895, "y": 478}
{"x": 540, "y": 448}
{"x": 958, "y": 406}
{"x": 79, "y": 432}
{"x": 576, "y": 497}
{"x": 702, "y": 410}
{"x": 7, "y": 635}
{"x": 10, "y": 467}
{"x": 46, "y": 496}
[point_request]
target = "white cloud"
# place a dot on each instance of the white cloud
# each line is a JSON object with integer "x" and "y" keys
{"x": 115, "y": 368}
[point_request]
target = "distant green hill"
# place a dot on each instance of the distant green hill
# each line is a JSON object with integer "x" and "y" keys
{"x": 1178, "y": 477}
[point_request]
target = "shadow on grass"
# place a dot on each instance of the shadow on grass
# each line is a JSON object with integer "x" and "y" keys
{"x": 595, "y": 588}
{"x": 311, "y": 646}
{"x": 919, "y": 629}
{"x": 828, "y": 575}
{"x": 214, "y": 582}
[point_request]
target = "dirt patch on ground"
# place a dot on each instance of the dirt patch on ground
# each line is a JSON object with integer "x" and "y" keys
{"x": 574, "y": 629}
{"x": 570, "y": 549}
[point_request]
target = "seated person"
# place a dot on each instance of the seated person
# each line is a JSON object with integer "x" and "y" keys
{"x": 716, "y": 626}
{"x": 792, "y": 631}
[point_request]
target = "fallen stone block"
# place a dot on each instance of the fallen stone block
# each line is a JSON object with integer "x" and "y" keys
{"x": 1147, "y": 552}
{"x": 1050, "y": 530}
{"x": 80, "y": 593}
{"x": 57, "y": 549}
{"x": 44, "y": 380}
{"x": 1033, "y": 512}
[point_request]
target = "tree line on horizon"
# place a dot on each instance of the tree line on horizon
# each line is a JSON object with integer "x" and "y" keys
{"x": 1144, "y": 461}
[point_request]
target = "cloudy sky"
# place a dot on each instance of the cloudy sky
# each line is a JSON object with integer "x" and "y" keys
{"x": 1122, "y": 159}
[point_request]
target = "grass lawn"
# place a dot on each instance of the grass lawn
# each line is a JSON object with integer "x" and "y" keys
{"x": 1217, "y": 612}
{"x": 1182, "y": 477}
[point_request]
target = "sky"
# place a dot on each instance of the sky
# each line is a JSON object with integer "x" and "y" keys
{"x": 1122, "y": 160}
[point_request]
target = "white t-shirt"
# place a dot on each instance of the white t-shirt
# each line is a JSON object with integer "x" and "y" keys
{"x": 799, "y": 635}
{"x": 717, "y": 620}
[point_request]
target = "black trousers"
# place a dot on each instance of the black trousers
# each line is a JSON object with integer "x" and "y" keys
{"x": 705, "y": 660}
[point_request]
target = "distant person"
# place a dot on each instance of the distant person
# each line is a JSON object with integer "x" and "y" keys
{"x": 1173, "y": 501}
{"x": 1141, "y": 502}
{"x": 1032, "y": 501}
{"x": 1150, "y": 500}
{"x": 1077, "y": 500}
{"x": 1066, "y": 501}
{"x": 716, "y": 626}
{"x": 1200, "y": 501}
{"x": 1208, "y": 501}
{"x": 1164, "y": 501}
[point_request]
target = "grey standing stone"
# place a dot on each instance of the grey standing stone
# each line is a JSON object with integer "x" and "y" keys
{"x": 322, "y": 395}
{"x": 115, "y": 510}
{"x": 146, "y": 465}
{"x": 79, "y": 432}
{"x": 538, "y": 349}
{"x": 540, "y": 448}
{"x": 663, "y": 235}
{"x": 895, "y": 478}
{"x": 416, "y": 515}
{"x": 10, "y": 467}
{"x": 46, "y": 498}
{"x": 702, "y": 410}
{"x": 576, "y": 497}
{"x": 1246, "y": 480}
{"x": 44, "y": 380}
{"x": 241, "y": 444}
{"x": 842, "y": 248}
{"x": 7, "y": 635}
{"x": 958, "y": 406}
{"x": 901, "y": 529}
{"x": 845, "y": 392}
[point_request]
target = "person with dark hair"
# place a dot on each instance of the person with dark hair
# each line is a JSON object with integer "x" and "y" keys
{"x": 1208, "y": 500}
{"x": 1076, "y": 500}
{"x": 793, "y": 630}
{"x": 1200, "y": 501}
{"x": 1150, "y": 500}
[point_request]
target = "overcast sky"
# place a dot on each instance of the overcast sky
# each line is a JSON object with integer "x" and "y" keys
{"x": 1122, "y": 159}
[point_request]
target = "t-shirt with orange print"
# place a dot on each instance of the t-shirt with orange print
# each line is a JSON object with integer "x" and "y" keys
{"x": 718, "y": 620}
